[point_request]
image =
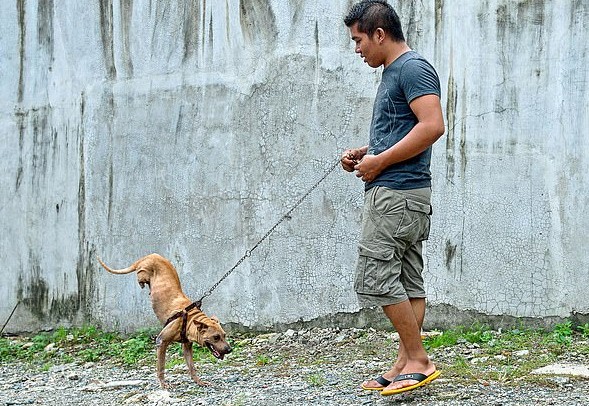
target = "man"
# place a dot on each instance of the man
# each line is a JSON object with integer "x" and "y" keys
{"x": 407, "y": 120}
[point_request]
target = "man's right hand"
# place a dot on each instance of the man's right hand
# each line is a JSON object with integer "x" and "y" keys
{"x": 351, "y": 157}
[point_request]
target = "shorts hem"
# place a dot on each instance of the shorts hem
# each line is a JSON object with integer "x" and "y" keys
{"x": 366, "y": 300}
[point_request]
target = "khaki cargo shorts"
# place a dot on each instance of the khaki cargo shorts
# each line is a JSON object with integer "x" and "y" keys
{"x": 390, "y": 262}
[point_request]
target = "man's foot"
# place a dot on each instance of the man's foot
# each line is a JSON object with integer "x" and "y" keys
{"x": 409, "y": 381}
{"x": 382, "y": 381}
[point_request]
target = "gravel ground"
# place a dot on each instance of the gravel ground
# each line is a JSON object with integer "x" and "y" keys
{"x": 307, "y": 367}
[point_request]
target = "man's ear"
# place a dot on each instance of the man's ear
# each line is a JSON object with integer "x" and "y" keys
{"x": 380, "y": 35}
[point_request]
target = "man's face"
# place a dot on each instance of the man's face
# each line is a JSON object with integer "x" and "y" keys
{"x": 367, "y": 46}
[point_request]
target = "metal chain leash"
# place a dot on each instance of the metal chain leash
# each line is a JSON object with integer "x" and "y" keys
{"x": 248, "y": 253}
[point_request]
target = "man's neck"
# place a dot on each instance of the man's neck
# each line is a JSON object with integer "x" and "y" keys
{"x": 396, "y": 50}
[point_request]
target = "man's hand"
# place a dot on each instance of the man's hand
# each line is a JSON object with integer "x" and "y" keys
{"x": 351, "y": 157}
{"x": 369, "y": 168}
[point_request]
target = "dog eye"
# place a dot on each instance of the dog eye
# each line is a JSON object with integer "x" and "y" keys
{"x": 216, "y": 337}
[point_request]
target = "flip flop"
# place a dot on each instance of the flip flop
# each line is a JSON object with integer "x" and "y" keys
{"x": 381, "y": 380}
{"x": 421, "y": 378}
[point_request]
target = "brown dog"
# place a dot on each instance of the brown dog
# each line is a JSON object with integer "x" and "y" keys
{"x": 183, "y": 321}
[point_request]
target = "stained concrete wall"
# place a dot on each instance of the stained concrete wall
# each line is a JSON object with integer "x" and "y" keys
{"x": 189, "y": 128}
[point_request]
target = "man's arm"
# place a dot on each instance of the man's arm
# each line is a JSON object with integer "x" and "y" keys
{"x": 429, "y": 128}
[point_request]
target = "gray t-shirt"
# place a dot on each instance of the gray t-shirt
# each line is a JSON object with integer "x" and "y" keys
{"x": 408, "y": 77}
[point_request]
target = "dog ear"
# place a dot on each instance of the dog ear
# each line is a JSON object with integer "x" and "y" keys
{"x": 201, "y": 328}
{"x": 215, "y": 319}
{"x": 143, "y": 277}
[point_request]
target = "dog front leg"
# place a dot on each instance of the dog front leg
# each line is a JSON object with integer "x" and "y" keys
{"x": 161, "y": 346}
{"x": 189, "y": 358}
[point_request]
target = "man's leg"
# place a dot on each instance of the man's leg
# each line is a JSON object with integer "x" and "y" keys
{"x": 414, "y": 356}
{"x": 418, "y": 306}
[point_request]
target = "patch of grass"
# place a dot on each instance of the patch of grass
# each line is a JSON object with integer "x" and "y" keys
{"x": 475, "y": 334}
{"x": 137, "y": 347}
{"x": 316, "y": 379}
{"x": 506, "y": 356}
{"x": 85, "y": 344}
{"x": 584, "y": 329}
{"x": 262, "y": 360}
{"x": 174, "y": 361}
{"x": 563, "y": 333}
{"x": 445, "y": 339}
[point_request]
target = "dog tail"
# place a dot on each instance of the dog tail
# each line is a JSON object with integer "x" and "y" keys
{"x": 130, "y": 269}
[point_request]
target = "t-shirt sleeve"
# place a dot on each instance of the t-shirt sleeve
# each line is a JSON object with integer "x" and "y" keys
{"x": 419, "y": 78}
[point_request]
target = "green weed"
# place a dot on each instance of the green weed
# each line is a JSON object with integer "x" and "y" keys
{"x": 262, "y": 360}
{"x": 475, "y": 334}
{"x": 174, "y": 361}
{"x": 584, "y": 329}
{"x": 316, "y": 379}
{"x": 137, "y": 348}
{"x": 563, "y": 333}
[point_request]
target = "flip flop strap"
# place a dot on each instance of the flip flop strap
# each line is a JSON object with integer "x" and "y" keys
{"x": 415, "y": 376}
{"x": 383, "y": 381}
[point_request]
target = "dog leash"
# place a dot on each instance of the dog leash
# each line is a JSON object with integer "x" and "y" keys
{"x": 9, "y": 317}
{"x": 248, "y": 253}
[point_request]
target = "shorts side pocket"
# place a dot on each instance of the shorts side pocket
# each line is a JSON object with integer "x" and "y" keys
{"x": 415, "y": 225}
{"x": 372, "y": 274}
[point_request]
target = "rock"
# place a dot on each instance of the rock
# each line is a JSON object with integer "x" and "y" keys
{"x": 290, "y": 333}
{"x": 137, "y": 398}
{"x": 522, "y": 353}
{"x": 50, "y": 347}
{"x": 479, "y": 360}
{"x": 111, "y": 385}
{"x": 576, "y": 370}
{"x": 162, "y": 397}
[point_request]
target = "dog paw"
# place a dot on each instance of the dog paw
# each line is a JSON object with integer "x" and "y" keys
{"x": 200, "y": 382}
{"x": 165, "y": 385}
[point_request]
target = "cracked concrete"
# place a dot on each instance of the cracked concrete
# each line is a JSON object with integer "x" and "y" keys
{"x": 190, "y": 129}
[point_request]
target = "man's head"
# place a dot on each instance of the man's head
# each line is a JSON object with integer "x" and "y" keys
{"x": 369, "y": 15}
{"x": 376, "y": 29}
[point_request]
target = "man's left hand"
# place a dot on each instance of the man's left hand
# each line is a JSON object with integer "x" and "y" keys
{"x": 368, "y": 168}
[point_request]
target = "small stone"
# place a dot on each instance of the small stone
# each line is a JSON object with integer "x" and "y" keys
{"x": 50, "y": 347}
{"x": 233, "y": 378}
{"x": 161, "y": 397}
{"x": 561, "y": 380}
{"x": 290, "y": 333}
{"x": 137, "y": 398}
{"x": 479, "y": 360}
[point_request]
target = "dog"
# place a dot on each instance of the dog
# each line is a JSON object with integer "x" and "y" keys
{"x": 183, "y": 321}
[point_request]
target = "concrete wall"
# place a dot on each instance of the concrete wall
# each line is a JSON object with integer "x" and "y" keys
{"x": 189, "y": 128}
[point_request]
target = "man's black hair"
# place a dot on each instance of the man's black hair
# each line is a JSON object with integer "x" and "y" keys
{"x": 373, "y": 14}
